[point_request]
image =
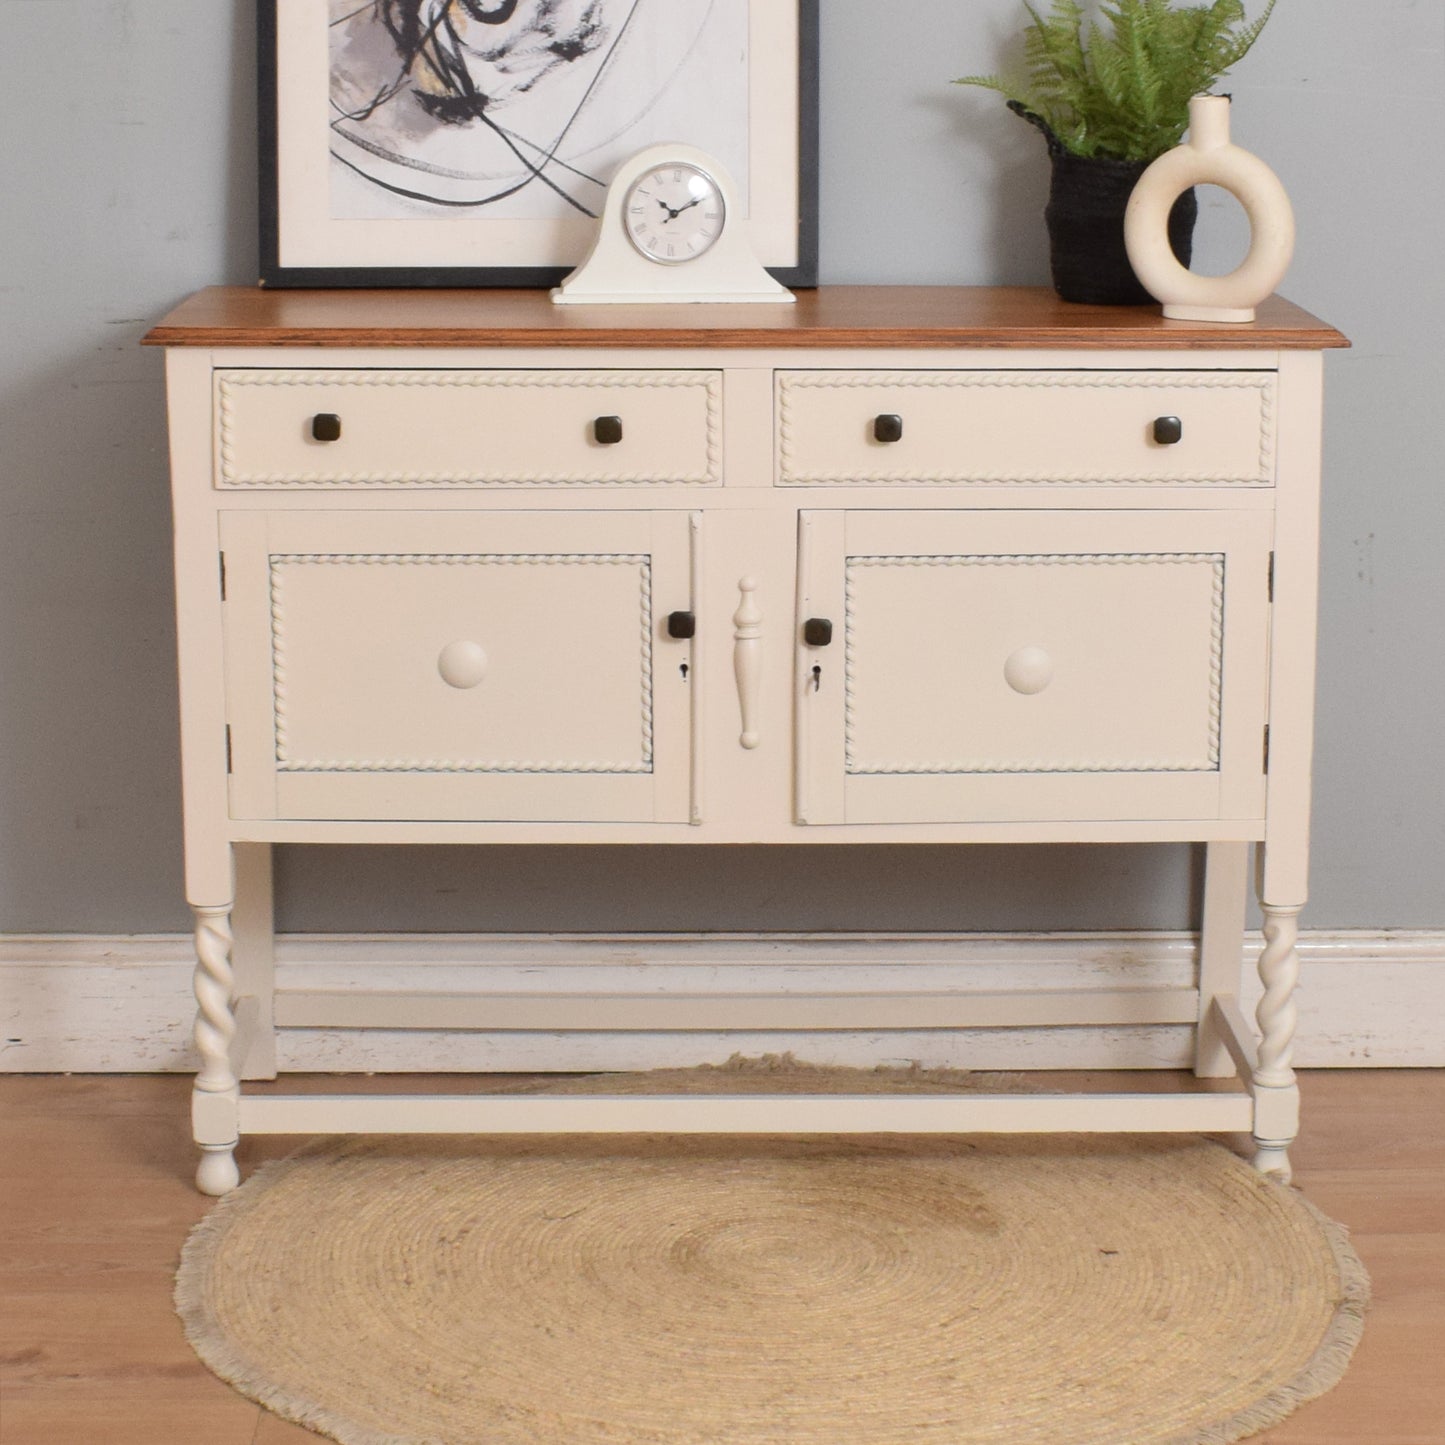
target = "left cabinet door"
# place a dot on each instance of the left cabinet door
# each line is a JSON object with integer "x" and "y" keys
{"x": 509, "y": 666}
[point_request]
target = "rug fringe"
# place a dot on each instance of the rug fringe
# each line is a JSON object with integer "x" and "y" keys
{"x": 790, "y": 1063}
{"x": 1326, "y": 1367}
{"x": 216, "y": 1352}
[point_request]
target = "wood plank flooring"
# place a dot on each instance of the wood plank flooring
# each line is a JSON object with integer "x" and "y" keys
{"x": 96, "y": 1198}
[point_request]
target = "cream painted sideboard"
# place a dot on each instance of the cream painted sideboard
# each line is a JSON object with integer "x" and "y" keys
{"x": 891, "y": 565}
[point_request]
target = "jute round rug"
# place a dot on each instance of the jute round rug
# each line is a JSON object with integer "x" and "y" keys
{"x": 1054, "y": 1290}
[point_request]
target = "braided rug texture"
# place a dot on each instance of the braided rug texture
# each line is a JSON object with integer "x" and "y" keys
{"x": 679, "y": 1290}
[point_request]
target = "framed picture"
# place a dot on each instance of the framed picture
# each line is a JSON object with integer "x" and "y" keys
{"x": 470, "y": 142}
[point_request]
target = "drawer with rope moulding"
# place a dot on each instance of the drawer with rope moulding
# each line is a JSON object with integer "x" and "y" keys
{"x": 1027, "y": 428}
{"x": 371, "y": 428}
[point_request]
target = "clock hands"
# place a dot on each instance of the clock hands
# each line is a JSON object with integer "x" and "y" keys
{"x": 672, "y": 215}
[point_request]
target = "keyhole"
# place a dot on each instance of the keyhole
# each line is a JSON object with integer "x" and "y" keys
{"x": 817, "y": 677}
{"x": 683, "y": 671}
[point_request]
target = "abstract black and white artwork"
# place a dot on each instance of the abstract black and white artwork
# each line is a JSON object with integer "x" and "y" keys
{"x": 524, "y": 107}
{"x": 406, "y": 138}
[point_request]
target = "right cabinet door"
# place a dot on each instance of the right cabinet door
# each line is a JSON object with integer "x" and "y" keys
{"x": 1032, "y": 666}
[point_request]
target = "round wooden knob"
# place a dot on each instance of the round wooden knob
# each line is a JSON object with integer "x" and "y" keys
{"x": 462, "y": 664}
{"x": 1029, "y": 670}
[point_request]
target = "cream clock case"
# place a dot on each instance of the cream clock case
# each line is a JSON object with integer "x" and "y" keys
{"x": 672, "y": 229}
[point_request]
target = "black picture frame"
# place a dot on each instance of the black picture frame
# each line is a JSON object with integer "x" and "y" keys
{"x": 275, "y": 274}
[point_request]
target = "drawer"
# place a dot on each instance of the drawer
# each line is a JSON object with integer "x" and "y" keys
{"x": 467, "y": 428}
{"x": 458, "y": 666}
{"x": 1025, "y": 428}
{"x": 1033, "y": 666}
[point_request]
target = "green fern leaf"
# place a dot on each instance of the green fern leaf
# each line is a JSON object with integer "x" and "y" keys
{"x": 1122, "y": 87}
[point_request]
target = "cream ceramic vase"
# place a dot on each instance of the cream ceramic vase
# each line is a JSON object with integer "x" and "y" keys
{"x": 1209, "y": 158}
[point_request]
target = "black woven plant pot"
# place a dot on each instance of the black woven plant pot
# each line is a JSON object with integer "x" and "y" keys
{"x": 1085, "y": 217}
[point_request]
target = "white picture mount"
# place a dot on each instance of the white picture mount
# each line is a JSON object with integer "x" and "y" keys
{"x": 616, "y": 273}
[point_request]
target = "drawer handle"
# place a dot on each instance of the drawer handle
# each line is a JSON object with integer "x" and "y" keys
{"x": 326, "y": 427}
{"x": 1029, "y": 670}
{"x": 887, "y": 428}
{"x": 682, "y": 625}
{"x": 462, "y": 664}
{"x": 1168, "y": 431}
{"x": 818, "y": 631}
{"x": 607, "y": 430}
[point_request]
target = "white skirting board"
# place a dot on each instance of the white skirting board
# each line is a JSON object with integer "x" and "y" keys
{"x": 100, "y": 1004}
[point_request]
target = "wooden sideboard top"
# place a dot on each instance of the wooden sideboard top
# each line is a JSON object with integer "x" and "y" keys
{"x": 1007, "y": 317}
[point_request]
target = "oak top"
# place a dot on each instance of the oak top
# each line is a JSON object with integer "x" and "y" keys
{"x": 995, "y": 317}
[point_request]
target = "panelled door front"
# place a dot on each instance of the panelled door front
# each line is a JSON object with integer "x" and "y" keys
{"x": 451, "y": 665}
{"x": 1029, "y": 665}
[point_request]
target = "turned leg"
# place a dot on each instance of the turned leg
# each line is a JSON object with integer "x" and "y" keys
{"x": 216, "y": 1096}
{"x": 1276, "y": 1090}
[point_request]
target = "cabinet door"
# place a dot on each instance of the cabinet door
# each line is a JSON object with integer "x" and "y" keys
{"x": 1042, "y": 666}
{"x": 458, "y": 665}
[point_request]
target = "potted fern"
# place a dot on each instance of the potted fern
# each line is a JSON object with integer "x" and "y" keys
{"x": 1109, "y": 102}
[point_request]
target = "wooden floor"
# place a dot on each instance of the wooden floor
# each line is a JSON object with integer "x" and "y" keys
{"x": 95, "y": 1200}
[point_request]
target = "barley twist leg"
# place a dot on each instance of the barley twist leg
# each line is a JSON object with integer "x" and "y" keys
{"x": 1276, "y": 1088}
{"x": 215, "y": 1098}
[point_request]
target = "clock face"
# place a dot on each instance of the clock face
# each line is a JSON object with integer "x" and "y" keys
{"x": 674, "y": 213}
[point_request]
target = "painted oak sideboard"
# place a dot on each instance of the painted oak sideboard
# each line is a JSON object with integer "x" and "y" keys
{"x": 907, "y": 565}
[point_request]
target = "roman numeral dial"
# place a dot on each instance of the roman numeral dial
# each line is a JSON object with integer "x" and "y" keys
{"x": 674, "y": 213}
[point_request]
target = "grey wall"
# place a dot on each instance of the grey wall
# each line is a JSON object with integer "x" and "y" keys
{"x": 129, "y": 178}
